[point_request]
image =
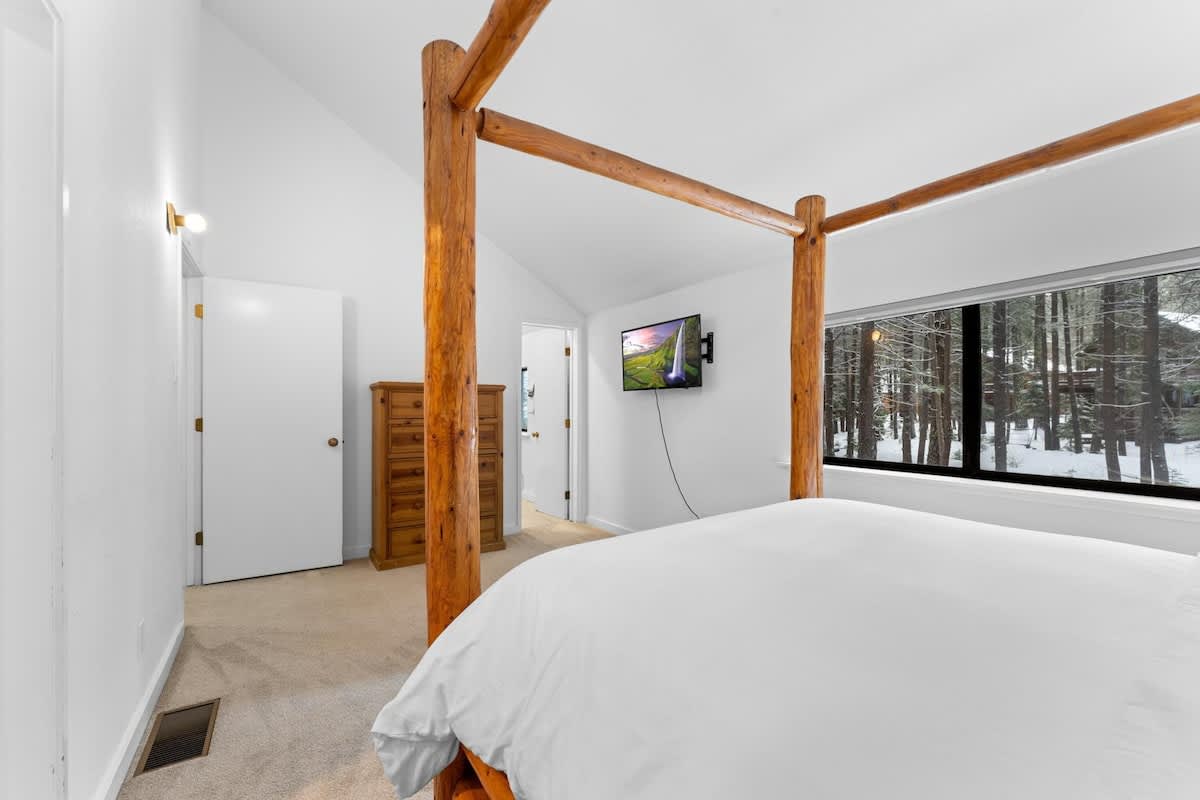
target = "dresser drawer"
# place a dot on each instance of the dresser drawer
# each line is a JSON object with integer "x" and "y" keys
{"x": 489, "y": 405}
{"x": 406, "y": 404}
{"x": 406, "y": 509}
{"x": 489, "y": 496}
{"x": 406, "y": 475}
{"x": 489, "y": 468}
{"x": 406, "y": 539}
{"x": 406, "y": 438}
{"x": 489, "y": 531}
{"x": 489, "y": 436}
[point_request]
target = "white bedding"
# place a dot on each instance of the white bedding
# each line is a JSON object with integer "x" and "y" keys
{"x": 819, "y": 649}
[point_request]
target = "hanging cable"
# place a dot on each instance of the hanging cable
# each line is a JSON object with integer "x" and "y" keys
{"x": 667, "y": 450}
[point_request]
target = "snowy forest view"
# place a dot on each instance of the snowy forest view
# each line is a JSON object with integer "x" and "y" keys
{"x": 1101, "y": 382}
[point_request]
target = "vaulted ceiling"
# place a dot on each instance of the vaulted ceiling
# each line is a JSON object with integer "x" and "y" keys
{"x": 771, "y": 99}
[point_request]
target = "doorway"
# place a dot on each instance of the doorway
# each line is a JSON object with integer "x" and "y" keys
{"x": 549, "y": 424}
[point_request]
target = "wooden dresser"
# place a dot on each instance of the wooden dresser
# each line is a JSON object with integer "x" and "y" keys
{"x": 398, "y": 472}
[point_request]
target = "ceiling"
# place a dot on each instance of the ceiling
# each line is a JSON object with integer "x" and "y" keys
{"x": 771, "y": 99}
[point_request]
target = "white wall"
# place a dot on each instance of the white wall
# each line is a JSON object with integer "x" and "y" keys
{"x": 728, "y": 437}
{"x": 30, "y": 560}
{"x": 293, "y": 195}
{"x": 131, "y": 144}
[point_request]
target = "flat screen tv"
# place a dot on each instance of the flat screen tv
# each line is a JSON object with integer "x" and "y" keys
{"x": 662, "y": 356}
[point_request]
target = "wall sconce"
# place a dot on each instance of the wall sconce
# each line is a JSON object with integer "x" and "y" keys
{"x": 193, "y": 222}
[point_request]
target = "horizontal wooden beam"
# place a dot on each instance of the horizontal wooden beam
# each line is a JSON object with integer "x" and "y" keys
{"x": 497, "y": 41}
{"x": 1130, "y": 129}
{"x": 535, "y": 140}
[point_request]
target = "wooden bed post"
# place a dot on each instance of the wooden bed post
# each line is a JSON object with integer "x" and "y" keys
{"x": 451, "y": 400}
{"x": 808, "y": 337}
{"x": 451, "y": 436}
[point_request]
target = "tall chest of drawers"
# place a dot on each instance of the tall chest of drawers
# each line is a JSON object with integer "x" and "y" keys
{"x": 398, "y": 472}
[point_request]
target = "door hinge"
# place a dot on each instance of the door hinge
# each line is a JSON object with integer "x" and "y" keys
{"x": 567, "y": 494}
{"x": 200, "y": 538}
{"x": 198, "y": 310}
{"x": 566, "y": 423}
{"x": 199, "y": 424}
{"x": 568, "y": 351}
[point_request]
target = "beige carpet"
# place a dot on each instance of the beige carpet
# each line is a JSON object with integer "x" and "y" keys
{"x": 302, "y": 664}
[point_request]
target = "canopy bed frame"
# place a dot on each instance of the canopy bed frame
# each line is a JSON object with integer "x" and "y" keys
{"x": 454, "y": 83}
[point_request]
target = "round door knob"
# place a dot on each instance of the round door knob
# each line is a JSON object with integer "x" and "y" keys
{"x": 536, "y": 435}
{"x": 333, "y": 442}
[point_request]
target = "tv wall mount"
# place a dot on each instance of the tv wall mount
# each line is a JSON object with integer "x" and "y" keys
{"x": 707, "y": 354}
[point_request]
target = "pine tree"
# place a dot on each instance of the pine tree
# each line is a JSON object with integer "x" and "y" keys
{"x": 999, "y": 384}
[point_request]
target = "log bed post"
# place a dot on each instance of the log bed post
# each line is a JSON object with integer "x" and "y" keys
{"x": 808, "y": 336}
{"x": 451, "y": 399}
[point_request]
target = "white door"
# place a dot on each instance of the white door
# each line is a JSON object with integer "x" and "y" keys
{"x": 272, "y": 410}
{"x": 548, "y": 362}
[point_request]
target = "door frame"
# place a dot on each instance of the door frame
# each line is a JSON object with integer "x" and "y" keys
{"x": 576, "y": 407}
{"x": 51, "y": 604}
{"x": 190, "y": 398}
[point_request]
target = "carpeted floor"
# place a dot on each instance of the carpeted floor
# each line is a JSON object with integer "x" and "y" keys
{"x": 302, "y": 663}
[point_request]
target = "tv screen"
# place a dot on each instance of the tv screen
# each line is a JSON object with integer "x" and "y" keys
{"x": 662, "y": 356}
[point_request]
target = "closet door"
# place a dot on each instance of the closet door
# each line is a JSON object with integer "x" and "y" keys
{"x": 272, "y": 430}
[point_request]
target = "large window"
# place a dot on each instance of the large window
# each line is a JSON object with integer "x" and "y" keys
{"x": 1095, "y": 387}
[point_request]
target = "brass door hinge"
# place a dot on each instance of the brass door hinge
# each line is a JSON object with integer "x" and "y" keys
{"x": 200, "y": 538}
{"x": 568, "y": 351}
{"x": 198, "y": 310}
{"x": 199, "y": 424}
{"x": 566, "y": 423}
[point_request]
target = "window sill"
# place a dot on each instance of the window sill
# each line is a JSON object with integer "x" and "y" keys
{"x": 993, "y": 489}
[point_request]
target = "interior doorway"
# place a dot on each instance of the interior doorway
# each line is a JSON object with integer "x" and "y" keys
{"x": 549, "y": 422}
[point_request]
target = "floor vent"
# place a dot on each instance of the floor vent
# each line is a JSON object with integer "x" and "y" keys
{"x": 179, "y": 735}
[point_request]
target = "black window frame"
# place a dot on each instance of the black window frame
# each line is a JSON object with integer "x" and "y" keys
{"x": 972, "y": 409}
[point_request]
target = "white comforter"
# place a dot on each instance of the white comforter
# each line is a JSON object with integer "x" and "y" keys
{"x": 819, "y": 649}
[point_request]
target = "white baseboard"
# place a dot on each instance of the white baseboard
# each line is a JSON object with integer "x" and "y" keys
{"x": 114, "y": 776}
{"x": 352, "y": 551}
{"x": 528, "y": 495}
{"x": 611, "y": 527}
{"x": 509, "y": 530}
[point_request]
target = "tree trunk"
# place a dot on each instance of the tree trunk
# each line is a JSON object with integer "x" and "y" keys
{"x": 1154, "y": 453}
{"x": 850, "y": 407}
{"x": 1042, "y": 371}
{"x": 941, "y": 371}
{"x": 1052, "y": 442}
{"x": 1069, "y": 358}
{"x": 907, "y": 379}
{"x": 830, "y": 419}
{"x": 999, "y": 384}
{"x": 1108, "y": 399}
{"x": 866, "y": 392}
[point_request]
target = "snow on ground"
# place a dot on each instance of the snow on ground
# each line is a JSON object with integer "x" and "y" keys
{"x": 1026, "y": 455}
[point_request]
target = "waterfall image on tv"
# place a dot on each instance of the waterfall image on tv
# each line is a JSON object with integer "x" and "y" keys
{"x": 662, "y": 356}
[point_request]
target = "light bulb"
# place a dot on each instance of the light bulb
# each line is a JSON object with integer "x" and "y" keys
{"x": 195, "y": 223}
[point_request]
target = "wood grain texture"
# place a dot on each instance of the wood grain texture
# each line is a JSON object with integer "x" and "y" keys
{"x": 398, "y": 537}
{"x": 535, "y": 140}
{"x": 1130, "y": 129}
{"x": 507, "y": 24}
{"x": 494, "y": 782}
{"x": 451, "y": 401}
{"x": 469, "y": 788}
{"x": 808, "y": 345}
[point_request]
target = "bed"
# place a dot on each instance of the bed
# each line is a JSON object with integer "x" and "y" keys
{"x": 860, "y": 651}
{"x": 455, "y": 82}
